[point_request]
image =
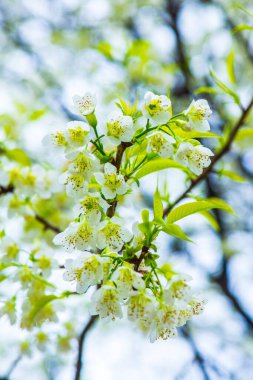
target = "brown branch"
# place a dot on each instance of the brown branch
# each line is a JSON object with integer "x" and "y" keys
{"x": 144, "y": 251}
{"x": 173, "y": 9}
{"x": 117, "y": 162}
{"x": 110, "y": 213}
{"x": 216, "y": 158}
{"x": 81, "y": 340}
{"x": 6, "y": 189}
{"x": 47, "y": 225}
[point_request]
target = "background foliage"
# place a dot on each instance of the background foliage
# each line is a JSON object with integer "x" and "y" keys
{"x": 53, "y": 49}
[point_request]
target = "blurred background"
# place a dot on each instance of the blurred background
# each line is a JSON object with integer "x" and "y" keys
{"x": 53, "y": 49}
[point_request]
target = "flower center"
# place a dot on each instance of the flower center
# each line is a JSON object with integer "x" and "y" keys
{"x": 112, "y": 181}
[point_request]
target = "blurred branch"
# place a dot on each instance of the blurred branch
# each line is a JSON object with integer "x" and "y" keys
{"x": 223, "y": 278}
{"x": 11, "y": 369}
{"x": 216, "y": 158}
{"x": 173, "y": 8}
{"x": 198, "y": 357}
{"x": 47, "y": 225}
{"x": 81, "y": 341}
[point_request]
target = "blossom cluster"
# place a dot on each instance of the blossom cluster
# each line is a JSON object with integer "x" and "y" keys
{"x": 102, "y": 160}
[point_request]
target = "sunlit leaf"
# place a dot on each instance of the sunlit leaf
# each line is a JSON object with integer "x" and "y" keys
{"x": 157, "y": 165}
{"x": 190, "y": 208}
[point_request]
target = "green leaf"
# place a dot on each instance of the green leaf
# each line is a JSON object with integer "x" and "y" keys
{"x": 190, "y": 208}
{"x": 244, "y": 133}
{"x": 167, "y": 271}
{"x": 241, "y": 27}
{"x": 245, "y": 10}
{"x": 231, "y": 67}
{"x": 19, "y": 156}
{"x": 157, "y": 165}
{"x": 158, "y": 205}
{"x": 211, "y": 219}
{"x": 232, "y": 175}
{"x": 42, "y": 302}
{"x": 195, "y": 134}
{"x": 36, "y": 114}
{"x": 106, "y": 49}
{"x": 206, "y": 90}
{"x": 224, "y": 87}
{"x": 176, "y": 231}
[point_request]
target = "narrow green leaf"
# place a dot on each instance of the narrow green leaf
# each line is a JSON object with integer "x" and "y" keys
{"x": 176, "y": 231}
{"x": 241, "y": 27}
{"x": 206, "y": 90}
{"x": 19, "y": 156}
{"x": 232, "y": 175}
{"x": 231, "y": 67}
{"x": 157, "y": 165}
{"x": 224, "y": 87}
{"x": 211, "y": 219}
{"x": 244, "y": 133}
{"x": 195, "y": 134}
{"x": 158, "y": 205}
{"x": 190, "y": 208}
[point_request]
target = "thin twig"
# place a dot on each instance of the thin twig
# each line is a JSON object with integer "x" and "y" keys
{"x": 198, "y": 357}
{"x": 81, "y": 340}
{"x": 47, "y": 225}
{"x": 11, "y": 369}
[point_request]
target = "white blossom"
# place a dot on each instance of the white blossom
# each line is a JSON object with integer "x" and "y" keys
{"x": 197, "y": 305}
{"x": 164, "y": 322}
{"x": 56, "y": 139}
{"x": 83, "y": 163}
{"x": 105, "y": 302}
{"x": 77, "y": 133}
{"x": 119, "y": 128}
{"x": 86, "y": 270}
{"x": 85, "y": 104}
{"x": 180, "y": 288}
{"x": 126, "y": 279}
{"x": 157, "y": 107}
{"x": 79, "y": 235}
{"x": 112, "y": 234}
{"x": 198, "y": 112}
{"x": 92, "y": 207}
{"x": 196, "y": 158}
{"x": 184, "y": 315}
{"x": 161, "y": 144}
{"x": 76, "y": 186}
{"x": 112, "y": 183}
{"x": 141, "y": 308}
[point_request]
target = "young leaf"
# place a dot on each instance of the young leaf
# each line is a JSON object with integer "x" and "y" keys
{"x": 231, "y": 67}
{"x": 157, "y": 165}
{"x": 211, "y": 219}
{"x": 232, "y": 175}
{"x": 158, "y": 205}
{"x": 241, "y": 27}
{"x": 244, "y": 133}
{"x": 206, "y": 90}
{"x": 184, "y": 210}
{"x": 19, "y": 156}
{"x": 176, "y": 231}
{"x": 224, "y": 87}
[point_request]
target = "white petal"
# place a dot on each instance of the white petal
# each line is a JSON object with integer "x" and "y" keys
{"x": 109, "y": 168}
{"x": 100, "y": 178}
{"x": 108, "y": 193}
